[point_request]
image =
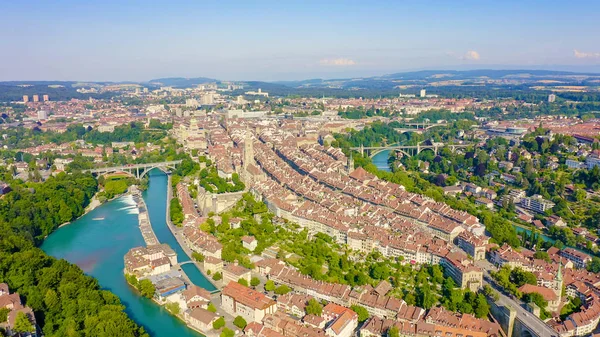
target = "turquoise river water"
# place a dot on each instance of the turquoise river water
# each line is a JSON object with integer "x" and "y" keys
{"x": 97, "y": 242}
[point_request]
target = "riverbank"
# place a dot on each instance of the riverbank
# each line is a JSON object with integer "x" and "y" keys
{"x": 178, "y": 234}
{"x": 97, "y": 243}
{"x": 144, "y": 220}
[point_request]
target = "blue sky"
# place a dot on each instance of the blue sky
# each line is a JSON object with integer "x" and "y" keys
{"x": 283, "y": 40}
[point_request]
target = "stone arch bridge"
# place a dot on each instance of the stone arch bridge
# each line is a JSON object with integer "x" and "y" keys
{"x": 136, "y": 170}
{"x": 408, "y": 150}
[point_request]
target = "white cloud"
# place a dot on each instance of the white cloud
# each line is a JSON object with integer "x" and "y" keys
{"x": 471, "y": 55}
{"x": 339, "y": 62}
{"x": 583, "y": 55}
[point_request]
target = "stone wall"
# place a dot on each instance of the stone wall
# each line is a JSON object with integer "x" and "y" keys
{"x": 217, "y": 203}
{"x": 505, "y": 316}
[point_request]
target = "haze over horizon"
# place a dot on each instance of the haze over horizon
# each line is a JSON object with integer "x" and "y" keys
{"x": 272, "y": 41}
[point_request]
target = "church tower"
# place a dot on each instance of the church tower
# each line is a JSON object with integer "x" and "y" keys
{"x": 350, "y": 163}
{"x": 248, "y": 150}
{"x": 558, "y": 281}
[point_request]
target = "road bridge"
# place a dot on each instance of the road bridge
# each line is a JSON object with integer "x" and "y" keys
{"x": 408, "y": 150}
{"x": 137, "y": 170}
{"x": 514, "y": 318}
{"x": 425, "y": 125}
{"x": 418, "y": 127}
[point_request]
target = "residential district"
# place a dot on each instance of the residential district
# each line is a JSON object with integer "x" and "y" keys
{"x": 417, "y": 249}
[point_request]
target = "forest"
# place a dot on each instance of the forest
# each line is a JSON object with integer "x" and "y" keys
{"x": 66, "y": 302}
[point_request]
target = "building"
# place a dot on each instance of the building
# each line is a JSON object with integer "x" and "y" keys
{"x": 191, "y": 103}
{"x": 257, "y": 93}
{"x": 195, "y": 297}
{"x": 238, "y": 300}
{"x": 422, "y": 93}
{"x": 579, "y": 259}
{"x": 343, "y": 325}
{"x": 45, "y": 98}
{"x": 536, "y": 203}
{"x": 463, "y": 271}
{"x": 62, "y": 163}
{"x": 249, "y": 242}
{"x": 215, "y": 265}
{"x": 548, "y": 294}
{"x": 200, "y": 319}
{"x": 12, "y": 303}
{"x": 574, "y": 164}
{"x": 42, "y": 115}
{"x": 207, "y": 99}
{"x": 234, "y": 272}
{"x": 551, "y": 98}
{"x": 592, "y": 161}
{"x": 473, "y": 245}
{"x": 167, "y": 285}
{"x": 201, "y": 242}
{"x": 36, "y": 98}
{"x": 151, "y": 260}
{"x": 25, "y": 98}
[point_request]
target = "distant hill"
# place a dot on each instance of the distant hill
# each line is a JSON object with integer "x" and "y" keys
{"x": 181, "y": 81}
{"x": 490, "y": 73}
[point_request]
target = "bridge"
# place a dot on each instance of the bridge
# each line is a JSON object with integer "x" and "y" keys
{"x": 186, "y": 262}
{"x": 408, "y": 150}
{"x": 514, "y": 319}
{"x": 137, "y": 170}
{"x": 418, "y": 127}
{"x": 216, "y": 291}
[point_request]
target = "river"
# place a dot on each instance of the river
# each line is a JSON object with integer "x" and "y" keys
{"x": 97, "y": 242}
{"x": 381, "y": 160}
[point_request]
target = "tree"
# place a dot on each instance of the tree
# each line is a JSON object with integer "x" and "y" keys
{"x": 22, "y": 323}
{"x": 313, "y": 307}
{"x": 282, "y": 290}
{"x": 536, "y": 298}
{"x": 198, "y": 256}
{"x": 362, "y": 313}
{"x": 488, "y": 291}
{"x": 542, "y": 256}
{"x": 240, "y": 322}
{"x": 482, "y": 308}
{"x": 176, "y": 211}
{"x": 270, "y": 285}
{"x": 219, "y": 323}
{"x": 594, "y": 265}
{"x": 227, "y": 333}
{"x": 243, "y": 282}
{"x": 520, "y": 277}
{"x": 147, "y": 288}
{"x": 425, "y": 298}
{"x": 211, "y": 307}
{"x": 217, "y": 276}
{"x": 173, "y": 307}
{"x": 4, "y": 314}
{"x": 254, "y": 281}
{"x": 393, "y": 331}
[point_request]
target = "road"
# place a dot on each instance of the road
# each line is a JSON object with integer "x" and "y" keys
{"x": 530, "y": 320}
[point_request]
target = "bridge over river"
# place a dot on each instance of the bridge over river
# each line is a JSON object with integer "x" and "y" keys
{"x": 408, "y": 149}
{"x": 137, "y": 170}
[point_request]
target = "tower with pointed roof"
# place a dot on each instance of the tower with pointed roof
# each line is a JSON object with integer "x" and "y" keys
{"x": 248, "y": 150}
{"x": 558, "y": 281}
{"x": 350, "y": 163}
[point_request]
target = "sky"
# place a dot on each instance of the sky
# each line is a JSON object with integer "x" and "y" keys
{"x": 114, "y": 40}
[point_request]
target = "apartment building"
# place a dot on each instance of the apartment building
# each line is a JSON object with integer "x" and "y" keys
{"x": 238, "y": 300}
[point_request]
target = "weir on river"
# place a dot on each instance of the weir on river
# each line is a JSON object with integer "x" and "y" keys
{"x": 98, "y": 247}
